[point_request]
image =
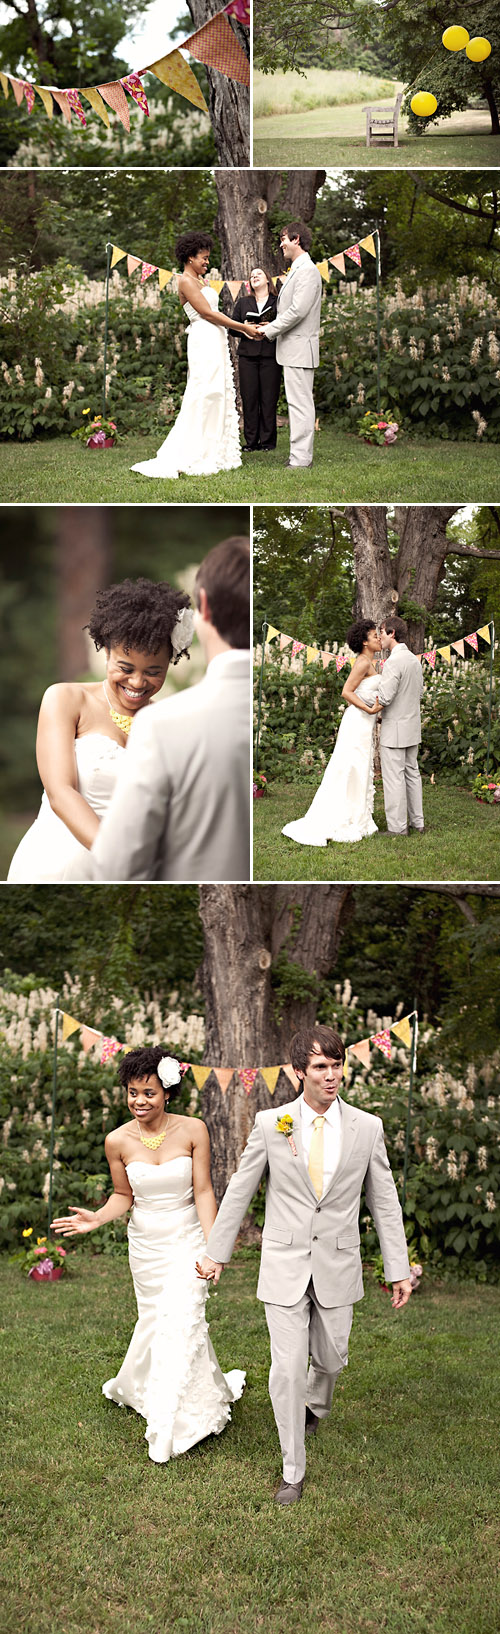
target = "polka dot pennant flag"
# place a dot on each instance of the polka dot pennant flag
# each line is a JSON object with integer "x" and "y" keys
{"x": 247, "y": 1075}
{"x": 473, "y": 641}
{"x": 297, "y": 646}
{"x": 383, "y": 1042}
{"x": 173, "y": 70}
{"x": 133, "y": 84}
{"x": 109, "y": 1048}
{"x": 147, "y": 269}
{"x": 354, "y": 254}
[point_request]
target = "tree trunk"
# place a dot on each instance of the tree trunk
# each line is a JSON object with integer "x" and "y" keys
{"x": 489, "y": 95}
{"x": 266, "y": 951}
{"x": 82, "y": 562}
{"x": 228, "y": 101}
{"x": 245, "y": 199}
{"x": 376, "y": 595}
{"x": 415, "y": 572}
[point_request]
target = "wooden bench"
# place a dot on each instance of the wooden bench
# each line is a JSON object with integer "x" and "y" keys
{"x": 382, "y": 123}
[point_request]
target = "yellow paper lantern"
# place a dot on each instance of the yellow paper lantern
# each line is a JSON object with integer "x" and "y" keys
{"x": 478, "y": 49}
{"x": 423, "y": 104}
{"x": 455, "y": 38}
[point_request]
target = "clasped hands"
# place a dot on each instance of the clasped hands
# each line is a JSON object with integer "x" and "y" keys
{"x": 209, "y": 1270}
{"x": 253, "y": 330}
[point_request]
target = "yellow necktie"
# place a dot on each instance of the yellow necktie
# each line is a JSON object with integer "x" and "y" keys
{"x": 316, "y": 1161}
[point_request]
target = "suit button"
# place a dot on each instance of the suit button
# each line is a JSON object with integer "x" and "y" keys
{"x": 315, "y": 1239}
{"x": 318, "y": 1211}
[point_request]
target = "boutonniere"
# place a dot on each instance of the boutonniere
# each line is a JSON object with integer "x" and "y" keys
{"x": 284, "y": 1126}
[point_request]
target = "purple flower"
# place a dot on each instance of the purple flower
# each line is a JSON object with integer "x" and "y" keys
{"x": 45, "y": 1266}
{"x": 391, "y": 434}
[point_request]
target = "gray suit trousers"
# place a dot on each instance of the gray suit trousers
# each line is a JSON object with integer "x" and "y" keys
{"x": 302, "y": 1334}
{"x": 299, "y": 385}
{"x": 402, "y": 788}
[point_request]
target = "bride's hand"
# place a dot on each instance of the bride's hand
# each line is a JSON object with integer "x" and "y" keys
{"x": 75, "y": 1223}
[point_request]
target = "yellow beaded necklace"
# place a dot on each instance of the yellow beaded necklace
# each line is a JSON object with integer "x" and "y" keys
{"x": 123, "y": 721}
{"x": 153, "y": 1141}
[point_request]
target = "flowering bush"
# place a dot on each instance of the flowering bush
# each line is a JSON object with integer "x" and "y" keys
{"x": 98, "y": 430}
{"x": 381, "y": 430}
{"x": 485, "y": 790}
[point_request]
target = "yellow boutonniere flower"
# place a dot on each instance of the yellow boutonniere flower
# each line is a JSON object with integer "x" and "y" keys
{"x": 284, "y": 1126}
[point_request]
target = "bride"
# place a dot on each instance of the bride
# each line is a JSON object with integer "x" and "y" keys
{"x": 83, "y": 725}
{"x": 342, "y": 808}
{"x": 170, "y": 1375}
{"x": 205, "y": 436}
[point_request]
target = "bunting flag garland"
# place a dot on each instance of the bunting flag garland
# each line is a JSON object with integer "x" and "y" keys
{"x": 472, "y": 640}
{"x": 297, "y": 646}
{"x": 247, "y": 1076}
{"x": 354, "y": 254}
{"x": 338, "y": 262}
{"x": 215, "y": 44}
{"x": 315, "y": 653}
{"x": 233, "y": 284}
{"x": 69, "y": 1026}
{"x": 431, "y": 657}
{"x": 383, "y": 1042}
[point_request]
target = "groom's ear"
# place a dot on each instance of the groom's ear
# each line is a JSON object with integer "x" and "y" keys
{"x": 203, "y": 607}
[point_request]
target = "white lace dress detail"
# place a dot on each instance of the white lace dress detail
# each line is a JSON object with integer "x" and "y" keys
{"x": 205, "y": 436}
{"x": 170, "y": 1374}
{"x": 342, "y": 808}
{"x": 49, "y": 847}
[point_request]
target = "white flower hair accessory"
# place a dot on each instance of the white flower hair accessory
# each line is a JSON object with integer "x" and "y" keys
{"x": 168, "y": 1071}
{"x": 183, "y": 631}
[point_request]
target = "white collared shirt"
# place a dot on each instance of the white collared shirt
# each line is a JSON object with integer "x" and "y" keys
{"x": 332, "y": 1137}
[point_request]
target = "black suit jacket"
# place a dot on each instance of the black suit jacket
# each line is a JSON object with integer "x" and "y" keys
{"x": 246, "y": 307}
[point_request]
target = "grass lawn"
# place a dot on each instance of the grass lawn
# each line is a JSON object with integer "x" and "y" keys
{"x": 462, "y": 842}
{"x": 335, "y": 135}
{"x": 60, "y": 470}
{"x": 396, "y": 1529}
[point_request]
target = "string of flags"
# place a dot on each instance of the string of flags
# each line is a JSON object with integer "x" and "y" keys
{"x": 314, "y": 653}
{"x": 338, "y": 261}
{"x": 165, "y": 274}
{"x": 108, "y": 1047}
{"x": 215, "y": 44}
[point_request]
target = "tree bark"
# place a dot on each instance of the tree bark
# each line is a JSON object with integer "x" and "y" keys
{"x": 416, "y": 570}
{"x": 82, "y": 557}
{"x": 245, "y": 199}
{"x": 228, "y": 101}
{"x": 376, "y": 595}
{"x": 266, "y": 951}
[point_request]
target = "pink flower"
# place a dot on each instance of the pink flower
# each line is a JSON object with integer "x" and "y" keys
{"x": 381, "y": 424}
{"x": 391, "y": 434}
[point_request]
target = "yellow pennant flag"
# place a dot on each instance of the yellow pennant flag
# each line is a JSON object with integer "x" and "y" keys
{"x": 117, "y": 255}
{"x": 485, "y": 632}
{"x": 403, "y": 1030}
{"x": 4, "y": 83}
{"x": 445, "y": 652}
{"x": 271, "y": 632}
{"x": 174, "y": 71}
{"x": 216, "y": 283}
{"x": 324, "y": 269}
{"x": 200, "y": 1075}
{"x": 92, "y": 95}
{"x": 69, "y": 1025}
{"x": 47, "y": 99}
{"x": 368, "y": 244}
{"x": 312, "y": 655}
{"x": 352, "y": 659}
{"x": 270, "y": 1076}
{"x": 164, "y": 276}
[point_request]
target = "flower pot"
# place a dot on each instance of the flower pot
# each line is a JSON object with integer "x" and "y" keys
{"x": 93, "y": 442}
{"x": 258, "y": 794}
{"x": 46, "y": 1276}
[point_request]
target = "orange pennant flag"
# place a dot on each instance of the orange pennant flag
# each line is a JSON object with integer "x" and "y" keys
{"x": 459, "y": 647}
{"x": 361, "y": 1051}
{"x": 114, "y": 94}
{"x": 223, "y": 1076}
{"x": 62, "y": 102}
{"x": 327, "y": 658}
{"x": 286, "y": 1066}
{"x": 88, "y": 1037}
{"x": 338, "y": 262}
{"x": 133, "y": 262}
{"x": 217, "y": 46}
{"x": 284, "y": 641}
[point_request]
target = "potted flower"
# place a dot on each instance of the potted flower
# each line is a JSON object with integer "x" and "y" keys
{"x": 97, "y": 433}
{"x": 485, "y": 789}
{"x": 259, "y": 785}
{"x": 43, "y": 1263}
{"x": 381, "y": 429}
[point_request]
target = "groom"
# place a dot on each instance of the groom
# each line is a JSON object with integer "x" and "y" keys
{"x": 296, "y": 330}
{"x": 318, "y": 1153}
{"x": 400, "y": 691}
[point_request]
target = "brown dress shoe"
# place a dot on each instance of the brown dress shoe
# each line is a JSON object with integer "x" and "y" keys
{"x": 312, "y": 1422}
{"x": 288, "y": 1493}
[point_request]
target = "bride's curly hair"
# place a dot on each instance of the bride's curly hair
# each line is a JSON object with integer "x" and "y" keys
{"x": 190, "y": 243}
{"x": 358, "y": 633}
{"x": 137, "y": 615}
{"x": 142, "y": 1062}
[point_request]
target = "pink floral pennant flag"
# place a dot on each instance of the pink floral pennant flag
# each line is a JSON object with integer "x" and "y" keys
{"x": 340, "y": 660}
{"x": 133, "y": 84}
{"x": 247, "y": 1076}
{"x": 109, "y": 1048}
{"x": 76, "y": 106}
{"x": 240, "y": 9}
{"x": 473, "y": 641}
{"x": 431, "y": 657}
{"x": 29, "y": 92}
{"x": 354, "y": 254}
{"x": 383, "y": 1042}
{"x": 297, "y": 646}
{"x": 147, "y": 269}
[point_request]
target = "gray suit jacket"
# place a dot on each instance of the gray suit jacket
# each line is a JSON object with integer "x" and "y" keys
{"x": 303, "y": 1237}
{"x": 400, "y": 689}
{"x": 181, "y": 805}
{"x": 296, "y": 326}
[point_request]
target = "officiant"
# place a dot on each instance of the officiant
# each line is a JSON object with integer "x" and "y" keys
{"x": 259, "y": 373}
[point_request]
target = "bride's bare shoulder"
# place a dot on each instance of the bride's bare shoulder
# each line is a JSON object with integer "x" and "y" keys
{"x": 63, "y": 698}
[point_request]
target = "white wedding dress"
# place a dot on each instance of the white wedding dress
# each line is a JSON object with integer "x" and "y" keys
{"x": 47, "y": 849}
{"x": 170, "y": 1374}
{"x": 205, "y": 437}
{"x": 342, "y": 808}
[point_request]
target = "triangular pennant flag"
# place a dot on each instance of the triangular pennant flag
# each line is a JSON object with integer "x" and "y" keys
{"x": 133, "y": 262}
{"x": 184, "y": 1066}
{"x": 76, "y": 106}
{"x": 368, "y": 244}
{"x": 472, "y": 641}
{"x": 88, "y": 1037}
{"x": 286, "y": 1066}
{"x": 338, "y": 262}
{"x": 297, "y": 646}
{"x": 240, "y": 9}
{"x": 18, "y": 89}
{"x": 485, "y": 632}
{"x": 164, "y": 276}
{"x": 352, "y": 659}
{"x": 5, "y": 83}
{"x": 62, "y": 102}
{"x": 133, "y": 84}
{"x": 354, "y": 254}
{"x": 200, "y": 1075}
{"x": 324, "y": 269}
{"x": 327, "y": 658}
{"x": 247, "y": 1076}
{"x": 271, "y": 632}
{"x": 117, "y": 255}
{"x": 29, "y": 92}
{"x": 284, "y": 641}
{"x": 110, "y": 1047}
{"x": 175, "y": 72}
{"x": 459, "y": 647}
{"x": 223, "y": 1076}
{"x": 234, "y": 284}
{"x": 270, "y": 1076}
{"x": 91, "y": 94}
{"x": 69, "y": 1025}
{"x": 403, "y": 1030}
{"x": 383, "y": 1042}
{"x": 361, "y": 1051}
{"x": 217, "y": 46}
{"x": 216, "y": 283}
{"x": 312, "y": 655}
{"x": 340, "y": 660}
{"x": 114, "y": 95}
{"x": 147, "y": 269}
{"x": 445, "y": 652}
{"x": 431, "y": 657}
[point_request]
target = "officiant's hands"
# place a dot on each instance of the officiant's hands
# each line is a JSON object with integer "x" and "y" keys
{"x": 209, "y": 1270}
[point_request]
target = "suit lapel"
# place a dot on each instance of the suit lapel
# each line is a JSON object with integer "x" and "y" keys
{"x": 349, "y": 1129}
{"x": 302, "y": 1175}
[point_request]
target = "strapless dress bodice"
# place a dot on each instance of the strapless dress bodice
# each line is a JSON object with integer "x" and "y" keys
{"x": 97, "y": 760}
{"x": 49, "y": 847}
{"x": 209, "y": 295}
{"x": 368, "y": 688}
{"x": 162, "y": 1187}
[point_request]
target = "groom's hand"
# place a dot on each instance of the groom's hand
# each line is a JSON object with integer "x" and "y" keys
{"x": 401, "y": 1293}
{"x": 210, "y": 1270}
{"x": 251, "y": 329}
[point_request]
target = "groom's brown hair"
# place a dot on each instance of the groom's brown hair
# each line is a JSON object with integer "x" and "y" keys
{"x": 302, "y": 1046}
{"x": 225, "y": 577}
